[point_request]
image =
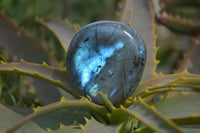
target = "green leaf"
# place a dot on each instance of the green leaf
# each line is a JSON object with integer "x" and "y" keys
{"x": 126, "y": 12}
{"x": 18, "y": 44}
{"x": 180, "y": 16}
{"x": 3, "y": 78}
{"x": 43, "y": 72}
{"x": 191, "y": 57}
{"x": 63, "y": 30}
{"x": 180, "y": 106}
{"x": 53, "y": 119}
{"x": 92, "y": 126}
{"x": 139, "y": 15}
{"x": 185, "y": 130}
{"x": 9, "y": 91}
{"x": 67, "y": 129}
{"x": 143, "y": 22}
{"x": 180, "y": 84}
{"x": 191, "y": 130}
{"x": 144, "y": 130}
{"x": 161, "y": 81}
{"x": 67, "y": 117}
{"x": 127, "y": 126}
{"x": 15, "y": 85}
{"x": 63, "y": 104}
{"x": 152, "y": 118}
{"x": 8, "y": 117}
{"x": 191, "y": 120}
{"x": 144, "y": 113}
{"x": 9, "y": 99}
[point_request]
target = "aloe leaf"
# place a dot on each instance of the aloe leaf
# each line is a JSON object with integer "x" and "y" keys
{"x": 62, "y": 104}
{"x": 179, "y": 16}
{"x": 191, "y": 120}
{"x": 170, "y": 53}
{"x": 43, "y": 71}
{"x": 152, "y": 118}
{"x": 53, "y": 120}
{"x": 69, "y": 129}
{"x": 180, "y": 106}
{"x": 162, "y": 79}
{"x": 8, "y": 117}
{"x": 142, "y": 20}
{"x": 20, "y": 46}
{"x": 67, "y": 117}
{"x": 144, "y": 130}
{"x": 140, "y": 111}
{"x": 15, "y": 85}
{"x": 3, "y": 78}
{"x": 191, "y": 130}
{"x": 92, "y": 126}
{"x": 127, "y": 126}
{"x": 179, "y": 25}
{"x": 10, "y": 99}
{"x": 174, "y": 2}
{"x": 126, "y": 12}
{"x": 180, "y": 84}
{"x": 191, "y": 58}
{"x": 63, "y": 30}
{"x": 144, "y": 113}
{"x": 185, "y": 130}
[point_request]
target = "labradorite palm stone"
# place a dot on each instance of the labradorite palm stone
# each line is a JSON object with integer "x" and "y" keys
{"x": 106, "y": 56}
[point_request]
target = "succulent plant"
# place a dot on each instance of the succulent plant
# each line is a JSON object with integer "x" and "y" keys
{"x": 54, "y": 101}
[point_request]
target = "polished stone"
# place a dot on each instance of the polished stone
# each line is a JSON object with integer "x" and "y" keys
{"x": 106, "y": 56}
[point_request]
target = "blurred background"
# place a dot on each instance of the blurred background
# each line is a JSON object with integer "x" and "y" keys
{"x": 24, "y": 12}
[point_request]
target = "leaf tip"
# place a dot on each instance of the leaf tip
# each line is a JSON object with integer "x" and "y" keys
{"x": 22, "y": 61}
{"x": 76, "y": 27}
{"x": 16, "y": 69}
{"x": 65, "y": 69}
{"x": 159, "y": 74}
{"x": 61, "y": 125}
{"x": 36, "y": 109}
{"x": 193, "y": 116}
{"x": 63, "y": 99}
{"x": 49, "y": 130}
{"x": 185, "y": 71}
{"x": 58, "y": 82}
{"x": 2, "y": 62}
{"x": 147, "y": 90}
{"x": 44, "y": 63}
{"x": 82, "y": 127}
{"x": 140, "y": 99}
{"x": 86, "y": 119}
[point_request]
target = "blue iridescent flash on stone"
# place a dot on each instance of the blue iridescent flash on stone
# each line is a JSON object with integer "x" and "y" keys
{"x": 106, "y": 56}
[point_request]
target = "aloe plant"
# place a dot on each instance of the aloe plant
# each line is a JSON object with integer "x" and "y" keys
{"x": 161, "y": 103}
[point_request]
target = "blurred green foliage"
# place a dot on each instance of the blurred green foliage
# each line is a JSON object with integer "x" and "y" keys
{"x": 24, "y": 12}
{"x": 87, "y": 11}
